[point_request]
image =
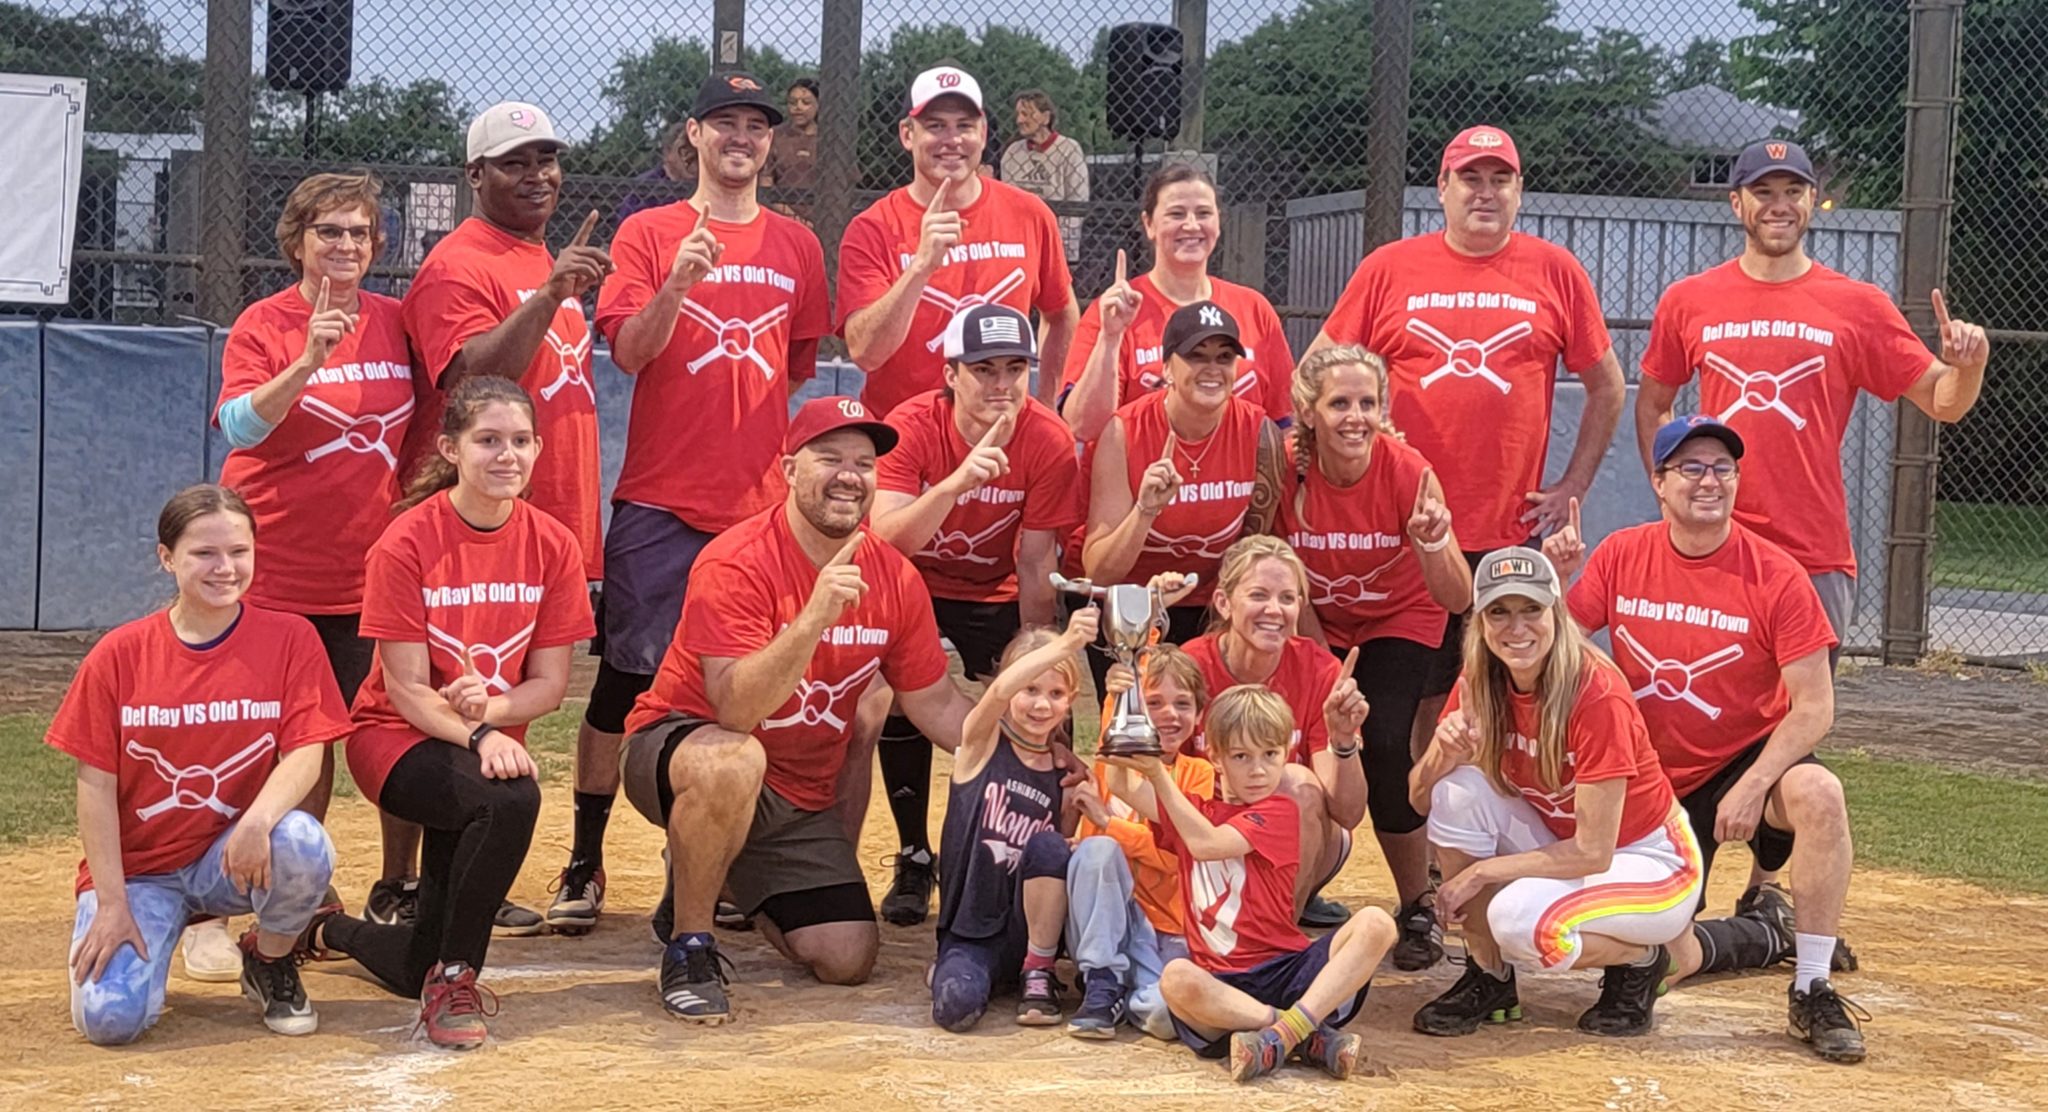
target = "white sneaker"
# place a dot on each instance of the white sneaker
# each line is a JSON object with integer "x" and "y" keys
{"x": 211, "y": 954}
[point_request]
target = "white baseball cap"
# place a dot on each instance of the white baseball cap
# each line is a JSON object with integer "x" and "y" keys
{"x": 503, "y": 128}
{"x": 942, "y": 81}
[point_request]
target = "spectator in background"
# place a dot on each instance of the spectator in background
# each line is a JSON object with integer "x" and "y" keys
{"x": 793, "y": 159}
{"x": 673, "y": 177}
{"x": 1044, "y": 162}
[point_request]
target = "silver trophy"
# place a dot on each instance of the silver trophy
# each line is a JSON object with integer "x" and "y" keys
{"x": 1133, "y": 617}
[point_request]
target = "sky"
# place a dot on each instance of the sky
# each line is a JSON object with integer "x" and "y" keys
{"x": 558, "y": 52}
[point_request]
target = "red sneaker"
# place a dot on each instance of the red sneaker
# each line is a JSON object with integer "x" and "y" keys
{"x": 453, "y": 1007}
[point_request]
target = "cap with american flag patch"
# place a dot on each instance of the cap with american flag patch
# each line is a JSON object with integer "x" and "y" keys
{"x": 984, "y": 332}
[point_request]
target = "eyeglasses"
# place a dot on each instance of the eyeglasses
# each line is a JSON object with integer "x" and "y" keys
{"x": 332, "y": 233}
{"x": 1694, "y": 470}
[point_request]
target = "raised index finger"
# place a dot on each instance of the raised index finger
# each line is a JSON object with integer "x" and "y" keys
{"x": 1350, "y": 661}
{"x": 320, "y": 303}
{"x": 996, "y": 431}
{"x": 583, "y": 234}
{"x": 1940, "y": 310}
{"x": 1572, "y": 511}
{"x": 845, "y": 553}
{"x": 940, "y": 196}
{"x": 1422, "y": 492}
{"x": 1171, "y": 443}
{"x": 469, "y": 664}
{"x": 1123, "y": 267}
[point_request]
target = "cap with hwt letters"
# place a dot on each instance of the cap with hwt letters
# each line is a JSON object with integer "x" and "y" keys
{"x": 1516, "y": 570}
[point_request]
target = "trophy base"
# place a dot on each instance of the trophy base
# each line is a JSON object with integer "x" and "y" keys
{"x": 1130, "y": 747}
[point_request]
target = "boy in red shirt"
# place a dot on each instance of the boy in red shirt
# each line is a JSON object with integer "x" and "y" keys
{"x": 1253, "y": 987}
{"x": 949, "y": 240}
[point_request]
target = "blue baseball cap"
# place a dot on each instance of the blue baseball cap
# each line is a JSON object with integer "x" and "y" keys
{"x": 1771, "y": 156}
{"x": 1674, "y": 434}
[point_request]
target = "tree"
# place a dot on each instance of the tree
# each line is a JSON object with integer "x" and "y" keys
{"x": 1704, "y": 61}
{"x": 137, "y": 84}
{"x": 371, "y": 122}
{"x": 654, "y": 89}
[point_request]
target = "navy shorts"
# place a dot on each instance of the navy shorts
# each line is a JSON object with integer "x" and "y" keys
{"x": 1277, "y": 983}
{"x": 648, "y": 554}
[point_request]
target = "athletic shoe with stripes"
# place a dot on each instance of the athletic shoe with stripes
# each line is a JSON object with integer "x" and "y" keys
{"x": 514, "y": 921}
{"x": 579, "y": 899}
{"x": 1102, "y": 1006}
{"x": 1831, "y": 1024}
{"x": 693, "y": 980}
{"x": 1628, "y": 998}
{"x": 1039, "y": 1003}
{"x": 1421, "y": 943}
{"x": 273, "y": 985}
{"x": 1334, "y": 1052}
{"x": 1478, "y": 997}
{"x": 453, "y": 1007}
{"x": 1255, "y": 1054}
{"x": 394, "y": 902}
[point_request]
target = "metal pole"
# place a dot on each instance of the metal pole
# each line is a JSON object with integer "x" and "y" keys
{"x": 1192, "y": 17}
{"x": 227, "y": 94}
{"x": 1386, "y": 127}
{"x": 1932, "y": 95}
{"x": 839, "y": 116}
{"x": 728, "y": 34}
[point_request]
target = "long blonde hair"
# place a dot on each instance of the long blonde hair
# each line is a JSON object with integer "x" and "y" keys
{"x": 1487, "y": 688}
{"x": 1239, "y": 560}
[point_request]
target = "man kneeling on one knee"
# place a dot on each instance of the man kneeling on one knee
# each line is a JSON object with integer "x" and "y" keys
{"x": 737, "y": 750}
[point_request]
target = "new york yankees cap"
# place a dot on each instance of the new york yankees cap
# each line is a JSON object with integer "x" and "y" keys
{"x": 827, "y": 415}
{"x": 724, "y": 90}
{"x": 943, "y": 81}
{"x": 1514, "y": 571}
{"x": 1770, "y": 156}
{"x": 1191, "y": 324}
{"x": 504, "y": 128}
{"x": 986, "y": 332}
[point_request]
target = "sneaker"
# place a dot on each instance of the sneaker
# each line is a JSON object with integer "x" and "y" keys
{"x": 1831, "y": 1024}
{"x": 1421, "y": 944}
{"x": 1038, "y": 1005}
{"x": 1255, "y": 1053}
{"x": 1323, "y": 913}
{"x": 514, "y": 921}
{"x": 727, "y": 916}
{"x": 393, "y": 903}
{"x": 1334, "y": 1052}
{"x": 1772, "y": 905}
{"x": 1102, "y": 1006}
{"x": 663, "y": 920}
{"x": 910, "y": 897}
{"x": 211, "y": 954}
{"x": 1628, "y": 993}
{"x": 453, "y": 1007}
{"x": 693, "y": 980}
{"x": 304, "y": 950}
{"x": 579, "y": 897}
{"x": 1477, "y": 998}
{"x": 273, "y": 985}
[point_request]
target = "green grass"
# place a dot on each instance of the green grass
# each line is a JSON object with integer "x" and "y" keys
{"x": 1987, "y": 547}
{"x": 1987, "y": 830}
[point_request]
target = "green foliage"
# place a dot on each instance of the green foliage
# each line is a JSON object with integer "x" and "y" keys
{"x": 1993, "y": 548}
{"x": 370, "y": 122}
{"x": 136, "y": 84}
{"x": 1987, "y": 830}
{"x": 652, "y": 90}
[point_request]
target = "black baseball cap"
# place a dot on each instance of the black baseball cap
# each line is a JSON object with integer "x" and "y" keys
{"x": 1675, "y": 433}
{"x": 985, "y": 332}
{"x": 1191, "y": 324}
{"x": 724, "y": 90}
{"x": 1771, "y": 156}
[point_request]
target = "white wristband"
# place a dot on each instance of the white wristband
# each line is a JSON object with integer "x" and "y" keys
{"x": 1441, "y": 544}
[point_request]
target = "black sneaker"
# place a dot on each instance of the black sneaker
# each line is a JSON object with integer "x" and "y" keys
{"x": 1831, "y": 1024}
{"x": 579, "y": 899}
{"x": 1039, "y": 1004}
{"x": 1102, "y": 1006}
{"x": 910, "y": 897}
{"x": 1628, "y": 994}
{"x": 1772, "y": 905}
{"x": 1478, "y": 997}
{"x": 393, "y": 903}
{"x": 273, "y": 985}
{"x": 727, "y": 916}
{"x": 514, "y": 921}
{"x": 693, "y": 980}
{"x": 1421, "y": 944}
{"x": 1323, "y": 913}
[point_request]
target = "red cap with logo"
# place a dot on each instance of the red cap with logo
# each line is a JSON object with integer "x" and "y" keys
{"x": 825, "y": 415}
{"x": 1475, "y": 143}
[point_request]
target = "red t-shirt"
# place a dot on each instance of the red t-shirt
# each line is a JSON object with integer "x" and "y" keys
{"x": 472, "y": 280}
{"x": 1780, "y": 363}
{"x": 436, "y": 580}
{"x": 747, "y": 586}
{"x": 973, "y": 556}
{"x": 709, "y": 411}
{"x": 1704, "y": 641}
{"x": 1472, "y": 347}
{"x": 192, "y": 734}
{"x": 1364, "y": 578}
{"x": 322, "y": 483}
{"x": 1009, "y": 254}
{"x": 1218, "y": 472}
{"x": 1604, "y": 740}
{"x": 1239, "y": 911}
{"x": 1306, "y": 674}
{"x": 1265, "y": 374}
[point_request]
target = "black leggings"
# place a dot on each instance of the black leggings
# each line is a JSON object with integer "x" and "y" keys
{"x": 477, "y": 833}
{"x": 348, "y": 652}
{"x": 1393, "y": 675}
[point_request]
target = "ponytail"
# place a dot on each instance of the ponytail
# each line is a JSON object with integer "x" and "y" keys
{"x": 465, "y": 404}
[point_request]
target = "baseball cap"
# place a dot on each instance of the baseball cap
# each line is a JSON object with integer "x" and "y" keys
{"x": 1674, "y": 434}
{"x": 940, "y": 81}
{"x": 1514, "y": 571}
{"x": 822, "y": 415}
{"x": 1475, "y": 143}
{"x": 506, "y": 127}
{"x": 990, "y": 332}
{"x": 1191, "y": 324}
{"x": 1769, "y": 156}
{"x": 724, "y": 90}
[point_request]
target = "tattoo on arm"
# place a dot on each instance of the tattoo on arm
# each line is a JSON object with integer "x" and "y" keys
{"x": 1260, "y": 518}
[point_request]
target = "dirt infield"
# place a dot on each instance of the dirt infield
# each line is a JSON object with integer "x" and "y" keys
{"x": 1959, "y": 995}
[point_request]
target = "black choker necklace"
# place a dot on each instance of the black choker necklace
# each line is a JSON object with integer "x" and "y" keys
{"x": 1022, "y": 742}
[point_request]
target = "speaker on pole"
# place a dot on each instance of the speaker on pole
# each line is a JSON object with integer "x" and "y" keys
{"x": 309, "y": 46}
{"x": 1144, "y": 81}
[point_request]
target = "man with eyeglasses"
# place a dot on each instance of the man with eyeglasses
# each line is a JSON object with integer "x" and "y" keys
{"x": 1724, "y": 641}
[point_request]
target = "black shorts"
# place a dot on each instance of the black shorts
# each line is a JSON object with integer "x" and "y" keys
{"x": 1449, "y": 658}
{"x": 1772, "y": 846}
{"x": 979, "y": 631}
{"x": 349, "y": 653}
{"x": 1277, "y": 983}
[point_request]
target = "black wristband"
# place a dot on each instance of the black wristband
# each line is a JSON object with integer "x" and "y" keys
{"x": 476, "y": 736}
{"x": 1356, "y": 745}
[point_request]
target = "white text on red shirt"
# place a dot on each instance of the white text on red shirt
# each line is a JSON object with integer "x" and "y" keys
{"x": 200, "y": 714}
{"x": 1471, "y": 299}
{"x": 1706, "y": 617}
{"x": 1761, "y": 329}
{"x": 475, "y": 593}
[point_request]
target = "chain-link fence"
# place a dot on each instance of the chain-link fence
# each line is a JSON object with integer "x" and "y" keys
{"x": 1628, "y": 115}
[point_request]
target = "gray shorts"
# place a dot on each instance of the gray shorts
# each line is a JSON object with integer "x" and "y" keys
{"x": 1838, "y": 598}
{"x": 648, "y": 554}
{"x": 788, "y": 849}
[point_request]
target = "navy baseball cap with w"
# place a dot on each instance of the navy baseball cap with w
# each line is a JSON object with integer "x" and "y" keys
{"x": 1771, "y": 156}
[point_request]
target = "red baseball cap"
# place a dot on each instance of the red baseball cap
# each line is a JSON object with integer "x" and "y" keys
{"x": 823, "y": 415}
{"x": 1475, "y": 143}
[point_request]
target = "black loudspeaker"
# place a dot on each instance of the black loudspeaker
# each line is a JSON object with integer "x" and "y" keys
{"x": 1144, "y": 81}
{"x": 310, "y": 46}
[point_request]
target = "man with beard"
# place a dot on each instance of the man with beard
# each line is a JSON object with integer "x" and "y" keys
{"x": 716, "y": 311}
{"x": 739, "y": 749}
{"x": 1723, "y": 639}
